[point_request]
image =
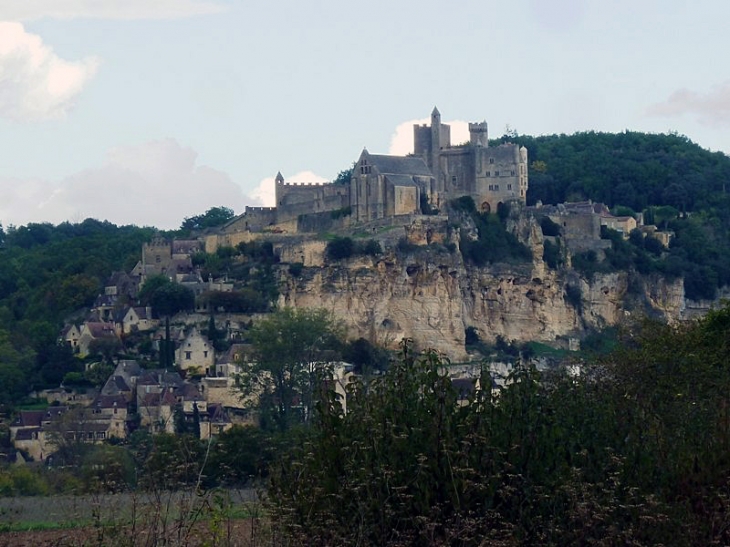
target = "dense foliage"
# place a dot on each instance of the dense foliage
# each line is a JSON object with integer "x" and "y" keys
{"x": 47, "y": 273}
{"x": 634, "y": 451}
{"x": 630, "y": 168}
{"x": 215, "y": 216}
{"x": 678, "y": 186}
{"x": 494, "y": 243}
{"x": 344, "y": 247}
{"x": 290, "y": 360}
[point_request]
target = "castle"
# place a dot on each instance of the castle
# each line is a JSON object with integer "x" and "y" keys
{"x": 384, "y": 186}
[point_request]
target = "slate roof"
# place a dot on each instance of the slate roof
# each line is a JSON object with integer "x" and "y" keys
{"x": 185, "y": 246}
{"x": 401, "y": 180}
{"x": 160, "y": 377}
{"x": 110, "y": 401}
{"x": 242, "y": 350}
{"x": 218, "y": 414}
{"x": 127, "y": 369}
{"x": 399, "y": 165}
{"x": 101, "y": 330}
{"x": 28, "y": 418}
{"x": 115, "y": 385}
{"x": 26, "y": 434}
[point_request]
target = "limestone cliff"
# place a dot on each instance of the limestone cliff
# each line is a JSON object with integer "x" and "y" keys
{"x": 429, "y": 294}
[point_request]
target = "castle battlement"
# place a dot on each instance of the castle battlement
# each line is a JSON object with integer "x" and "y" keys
{"x": 307, "y": 184}
{"x": 158, "y": 242}
{"x": 250, "y": 209}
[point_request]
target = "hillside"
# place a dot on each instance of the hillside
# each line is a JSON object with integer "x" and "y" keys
{"x": 48, "y": 272}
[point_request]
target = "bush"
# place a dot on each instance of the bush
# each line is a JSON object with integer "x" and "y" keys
{"x": 574, "y": 297}
{"x": 549, "y": 228}
{"x": 464, "y": 203}
{"x": 344, "y": 247}
{"x": 551, "y": 254}
{"x": 495, "y": 244}
{"x": 340, "y": 248}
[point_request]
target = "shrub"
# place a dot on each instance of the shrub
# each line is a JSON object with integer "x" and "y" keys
{"x": 344, "y": 247}
{"x": 551, "y": 254}
{"x": 574, "y": 297}
{"x": 549, "y": 228}
{"x": 339, "y": 248}
{"x": 295, "y": 269}
{"x": 464, "y": 203}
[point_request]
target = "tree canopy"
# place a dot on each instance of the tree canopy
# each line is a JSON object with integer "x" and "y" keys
{"x": 290, "y": 362}
{"x": 215, "y": 216}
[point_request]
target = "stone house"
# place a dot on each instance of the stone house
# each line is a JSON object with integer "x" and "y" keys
{"x": 163, "y": 257}
{"x": 136, "y": 319}
{"x": 70, "y": 335}
{"x": 95, "y": 330}
{"x": 157, "y": 396}
{"x": 623, "y": 225}
{"x": 195, "y": 353}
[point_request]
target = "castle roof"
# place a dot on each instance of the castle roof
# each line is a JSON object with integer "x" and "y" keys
{"x": 401, "y": 180}
{"x": 399, "y": 165}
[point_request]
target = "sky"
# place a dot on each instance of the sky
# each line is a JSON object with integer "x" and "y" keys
{"x": 149, "y": 111}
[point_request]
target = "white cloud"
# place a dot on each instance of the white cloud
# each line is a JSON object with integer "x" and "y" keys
{"x": 27, "y": 10}
{"x": 35, "y": 83}
{"x": 155, "y": 184}
{"x": 711, "y": 108}
{"x": 401, "y": 141}
{"x": 265, "y": 192}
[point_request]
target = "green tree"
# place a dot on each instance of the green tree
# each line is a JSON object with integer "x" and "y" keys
{"x": 215, "y": 216}
{"x": 166, "y": 297}
{"x": 290, "y": 364}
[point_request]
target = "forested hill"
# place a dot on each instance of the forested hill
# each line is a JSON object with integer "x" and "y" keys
{"x": 632, "y": 169}
{"x": 46, "y": 273}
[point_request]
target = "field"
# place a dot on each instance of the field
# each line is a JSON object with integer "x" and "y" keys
{"x": 224, "y": 518}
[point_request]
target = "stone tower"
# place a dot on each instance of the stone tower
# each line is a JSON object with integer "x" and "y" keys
{"x": 479, "y": 134}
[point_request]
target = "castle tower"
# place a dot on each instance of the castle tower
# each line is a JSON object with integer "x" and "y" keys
{"x": 435, "y": 139}
{"x": 479, "y": 134}
{"x": 278, "y": 183}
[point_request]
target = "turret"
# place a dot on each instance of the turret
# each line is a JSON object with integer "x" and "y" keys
{"x": 479, "y": 134}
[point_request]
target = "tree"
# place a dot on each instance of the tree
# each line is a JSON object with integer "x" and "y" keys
{"x": 166, "y": 297}
{"x": 215, "y": 216}
{"x": 290, "y": 363}
{"x": 172, "y": 298}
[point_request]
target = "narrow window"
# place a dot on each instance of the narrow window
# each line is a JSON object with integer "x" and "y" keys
{"x": 188, "y": 355}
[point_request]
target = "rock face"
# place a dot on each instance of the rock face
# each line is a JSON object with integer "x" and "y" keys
{"x": 430, "y": 295}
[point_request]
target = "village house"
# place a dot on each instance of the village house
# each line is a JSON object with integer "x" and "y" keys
{"x": 70, "y": 335}
{"x": 195, "y": 354}
{"x": 136, "y": 319}
{"x": 95, "y": 331}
